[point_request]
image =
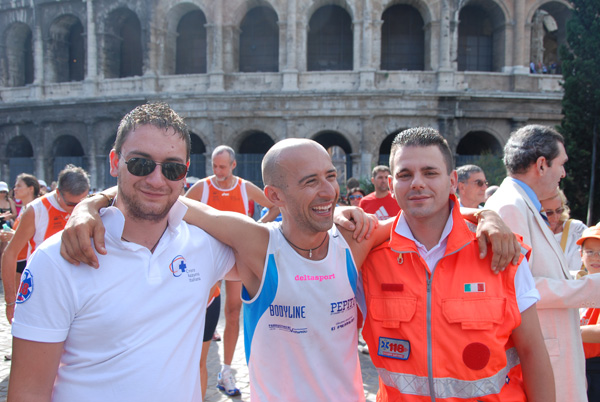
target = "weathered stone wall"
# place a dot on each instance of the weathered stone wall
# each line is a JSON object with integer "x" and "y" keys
{"x": 362, "y": 106}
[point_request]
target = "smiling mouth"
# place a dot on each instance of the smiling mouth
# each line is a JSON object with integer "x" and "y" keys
{"x": 322, "y": 209}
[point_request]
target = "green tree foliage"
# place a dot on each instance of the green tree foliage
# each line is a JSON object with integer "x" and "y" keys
{"x": 581, "y": 104}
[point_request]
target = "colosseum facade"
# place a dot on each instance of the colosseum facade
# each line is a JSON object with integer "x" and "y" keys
{"x": 348, "y": 73}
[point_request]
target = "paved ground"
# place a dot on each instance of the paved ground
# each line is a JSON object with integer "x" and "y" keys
{"x": 214, "y": 365}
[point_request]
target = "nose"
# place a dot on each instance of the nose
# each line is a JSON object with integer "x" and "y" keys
{"x": 156, "y": 178}
{"x": 417, "y": 181}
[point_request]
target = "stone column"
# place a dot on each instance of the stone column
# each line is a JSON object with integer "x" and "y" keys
{"x": 91, "y": 44}
{"x": 447, "y": 47}
{"x": 356, "y": 44}
{"x": 37, "y": 89}
{"x": 519, "y": 41}
{"x": 215, "y": 50}
{"x": 367, "y": 66}
{"x": 290, "y": 68}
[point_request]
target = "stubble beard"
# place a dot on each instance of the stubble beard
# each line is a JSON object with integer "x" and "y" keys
{"x": 137, "y": 211}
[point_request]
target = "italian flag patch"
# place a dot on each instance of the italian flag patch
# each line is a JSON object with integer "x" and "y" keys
{"x": 474, "y": 287}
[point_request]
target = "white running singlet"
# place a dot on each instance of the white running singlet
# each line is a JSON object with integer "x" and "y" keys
{"x": 300, "y": 328}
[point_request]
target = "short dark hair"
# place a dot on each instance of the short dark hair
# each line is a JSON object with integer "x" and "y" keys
{"x": 30, "y": 181}
{"x": 380, "y": 168}
{"x": 423, "y": 137}
{"x": 73, "y": 180}
{"x": 465, "y": 171}
{"x": 527, "y": 144}
{"x": 159, "y": 115}
{"x": 355, "y": 189}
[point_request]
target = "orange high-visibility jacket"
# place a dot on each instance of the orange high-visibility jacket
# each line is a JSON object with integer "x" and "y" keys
{"x": 446, "y": 336}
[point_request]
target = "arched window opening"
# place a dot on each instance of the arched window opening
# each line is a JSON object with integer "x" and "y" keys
{"x": 340, "y": 150}
{"x": 19, "y": 53}
{"x": 249, "y": 157}
{"x": 330, "y": 40}
{"x": 191, "y": 44}
{"x": 131, "y": 47}
{"x": 402, "y": 39}
{"x": 259, "y": 41}
{"x": 475, "y": 40}
{"x": 197, "y": 158}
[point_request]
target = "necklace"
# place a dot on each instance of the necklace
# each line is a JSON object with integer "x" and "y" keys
{"x": 310, "y": 250}
{"x": 155, "y": 244}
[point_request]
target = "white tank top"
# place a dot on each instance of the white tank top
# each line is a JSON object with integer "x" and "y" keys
{"x": 300, "y": 329}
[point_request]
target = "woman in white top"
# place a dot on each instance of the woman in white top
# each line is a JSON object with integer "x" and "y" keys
{"x": 566, "y": 231}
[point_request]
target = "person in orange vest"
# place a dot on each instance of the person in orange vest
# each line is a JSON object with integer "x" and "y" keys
{"x": 440, "y": 324}
{"x": 43, "y": 217}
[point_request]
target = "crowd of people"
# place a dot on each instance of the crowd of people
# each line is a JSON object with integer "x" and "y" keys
{"x": 462, "y": 291}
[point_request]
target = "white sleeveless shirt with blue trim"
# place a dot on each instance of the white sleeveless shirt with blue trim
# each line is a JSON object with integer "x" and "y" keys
{"x": 300, "y": 329}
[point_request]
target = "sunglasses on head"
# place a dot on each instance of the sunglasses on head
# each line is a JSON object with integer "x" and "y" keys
{"x": 143, "y": 167}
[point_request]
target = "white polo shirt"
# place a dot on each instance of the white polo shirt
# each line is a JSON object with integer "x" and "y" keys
{"x": 132, "y": 328}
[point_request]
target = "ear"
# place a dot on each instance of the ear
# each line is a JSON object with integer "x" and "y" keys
{"x": 373, "y": 180}
{"x": 391, "y": 186}
{"x": 540, "y": 165}
{"x": 114, "y": 162}
{"x": 275, "y": 195}
{"x": 453, "y": 181}
{"x": 233, "y": 165}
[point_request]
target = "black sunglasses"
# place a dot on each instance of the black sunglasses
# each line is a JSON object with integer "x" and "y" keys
{"x": 143, "y": 167}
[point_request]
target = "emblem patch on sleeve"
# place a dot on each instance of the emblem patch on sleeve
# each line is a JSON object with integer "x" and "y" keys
{"x": 26, "y": 288}
{"x": 394, "y": 348}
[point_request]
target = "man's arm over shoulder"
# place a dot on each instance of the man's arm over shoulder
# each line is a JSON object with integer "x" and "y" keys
{"x": 33, "y": 370}
{"x": 248, "y": 239}
{"x": 535, "y": 362}
{"x": 361, "y": 249}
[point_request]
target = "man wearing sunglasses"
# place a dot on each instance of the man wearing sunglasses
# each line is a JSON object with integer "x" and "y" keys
{"x": 300, "y": 277}
{"x": 227, "y": 192}
{"x": 471, "y": 186}
{"x": 43, "y": 217}
{"x": 130, "y": 330}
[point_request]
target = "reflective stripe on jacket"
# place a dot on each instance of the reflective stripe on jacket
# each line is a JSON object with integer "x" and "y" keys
{"x": 443, "y": 336}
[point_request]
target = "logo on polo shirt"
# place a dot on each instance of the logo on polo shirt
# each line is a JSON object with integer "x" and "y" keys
{"x": 26, "y": 288}
{"x": 178, "y": 266}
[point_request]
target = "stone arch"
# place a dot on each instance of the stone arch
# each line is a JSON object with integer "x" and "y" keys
{"x": 197, "y": 157}
{"x": 317, "y": 4}
{"x": 481, "y": 36}
{"x": 66, "y": 149}
{"x": 18, "y": 43}
{"x": 386, "y": 147}
{"x": 66, "y": 50}
{"x": 123, "y": 51}
{"x": 330, "y": 39}
{"x": 421, "y": 6}
{"x": 253, "y": 145}
{"x": 19, "y": 153}
{"x": 548, "y": 23}
{"x": 187, "y": 40}
{"x": 476, "y": 143}
{"x": 19, "y": 147}
{"x": 241, "y": 11}
{"x": 259, "y": 41}
{"x": 402, "y": 38}
{"x": 340, "y": 150}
